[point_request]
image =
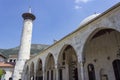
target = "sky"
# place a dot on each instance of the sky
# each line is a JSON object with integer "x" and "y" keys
{"x": 54, "y": 18}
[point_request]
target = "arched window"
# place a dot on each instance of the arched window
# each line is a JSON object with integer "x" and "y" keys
{"x": 10, "y": 78}
{"x": 116, "y": 67}
{"x": 10, "y": 60}
{"x": 14, "y": 60}
{"x": 91, "y": 72}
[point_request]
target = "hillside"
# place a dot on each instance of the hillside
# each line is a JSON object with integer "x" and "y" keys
{"x": 35, "y": 48}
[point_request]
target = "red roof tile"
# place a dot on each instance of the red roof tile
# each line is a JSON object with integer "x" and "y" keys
{"x": 3, "y": 64}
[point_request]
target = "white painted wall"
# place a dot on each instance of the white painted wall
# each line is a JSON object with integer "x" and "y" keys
{"x": 9, "y": 72}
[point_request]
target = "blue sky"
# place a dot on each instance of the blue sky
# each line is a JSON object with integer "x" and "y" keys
{"x": 54, "y": 18}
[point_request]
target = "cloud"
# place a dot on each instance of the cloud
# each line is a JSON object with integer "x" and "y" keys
{"x": 77, "y": 3}
{"x": 77, "y": 7}
{"x": 84, "y": 1}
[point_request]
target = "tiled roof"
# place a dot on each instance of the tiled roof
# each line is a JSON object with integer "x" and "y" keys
{"x": 8, "y": 65}
{"x": 2, "y": 56}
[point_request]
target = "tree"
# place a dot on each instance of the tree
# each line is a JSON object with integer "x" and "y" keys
{"x": 1, "y": 72}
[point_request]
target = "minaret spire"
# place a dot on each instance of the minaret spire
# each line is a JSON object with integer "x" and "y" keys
{"x": 30, "y": 9}
{"x": 25, "y": 44}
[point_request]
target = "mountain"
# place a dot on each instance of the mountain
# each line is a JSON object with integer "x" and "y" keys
{"x": 35, "y": 49}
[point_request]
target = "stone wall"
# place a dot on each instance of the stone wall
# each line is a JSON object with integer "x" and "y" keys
{"x": 78, "y": 40}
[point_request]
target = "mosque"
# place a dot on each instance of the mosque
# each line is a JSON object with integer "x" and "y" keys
{"x": 91, "y": 52}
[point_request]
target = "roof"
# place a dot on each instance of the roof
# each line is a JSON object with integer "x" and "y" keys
{"x": 6, "y": 65}
{"x": 3, "y": 56}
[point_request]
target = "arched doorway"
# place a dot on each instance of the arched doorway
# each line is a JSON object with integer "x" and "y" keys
{"x": 39, "y": 71}
{"x": 101, "y": 49}
{"x": 50, "y": 67}
{"x": 67, "y": 64}
{"x": 116, "y": 67}
{"x": 32, "y": 71}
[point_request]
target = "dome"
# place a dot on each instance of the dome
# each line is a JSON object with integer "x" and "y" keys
{"x": 89, "y": 18}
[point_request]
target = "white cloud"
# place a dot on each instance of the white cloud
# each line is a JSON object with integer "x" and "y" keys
{"x": 77, "y": 7}
{"x": 84, "y": 1}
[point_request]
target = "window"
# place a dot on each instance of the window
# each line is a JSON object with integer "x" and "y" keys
{"x": 75, "y": 74}
{"x": 51, "y": 74}
{"x": 63, "y": 56}
{"x": 60, "y": 74}
{"x": 47, "y": 75}
{"x": 63, "y": 63}
{"x": 91, "y": 72}
{"x": 10, "y": 60}
{"x": 14, "y": 60}
{"x": 116, "y": 67}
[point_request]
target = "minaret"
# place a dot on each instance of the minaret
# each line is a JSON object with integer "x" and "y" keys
{"x": 25, "y": 44}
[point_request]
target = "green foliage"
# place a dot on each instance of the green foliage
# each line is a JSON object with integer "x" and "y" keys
{"x": 1, "y": 72}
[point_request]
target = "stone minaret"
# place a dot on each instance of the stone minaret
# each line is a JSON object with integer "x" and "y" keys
{"x": 25, "y": 44}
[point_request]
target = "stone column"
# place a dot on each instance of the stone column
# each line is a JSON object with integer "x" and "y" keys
{"x": 56, "y": 72}
{"x": 81, "y": 62}
{"x": 43, "y": 69}
{"x": 79, "y": 71}
{"x": 81, "y": 65}
{"x": 28, "y": 77}
{"x": 35, "y": 75}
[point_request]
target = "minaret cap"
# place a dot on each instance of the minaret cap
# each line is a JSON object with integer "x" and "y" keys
{"x": 28, "y": 15}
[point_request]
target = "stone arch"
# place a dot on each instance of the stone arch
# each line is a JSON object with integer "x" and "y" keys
{"x": 67, "y": 63}
{"x": 39, "y": 70}
{"x": 49, "y": 67}
{"x": 91, "y": 34}
{"x": 32, "y": 71}
{"x": 62, "y": 51}
{"x": 100, "y": 48}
